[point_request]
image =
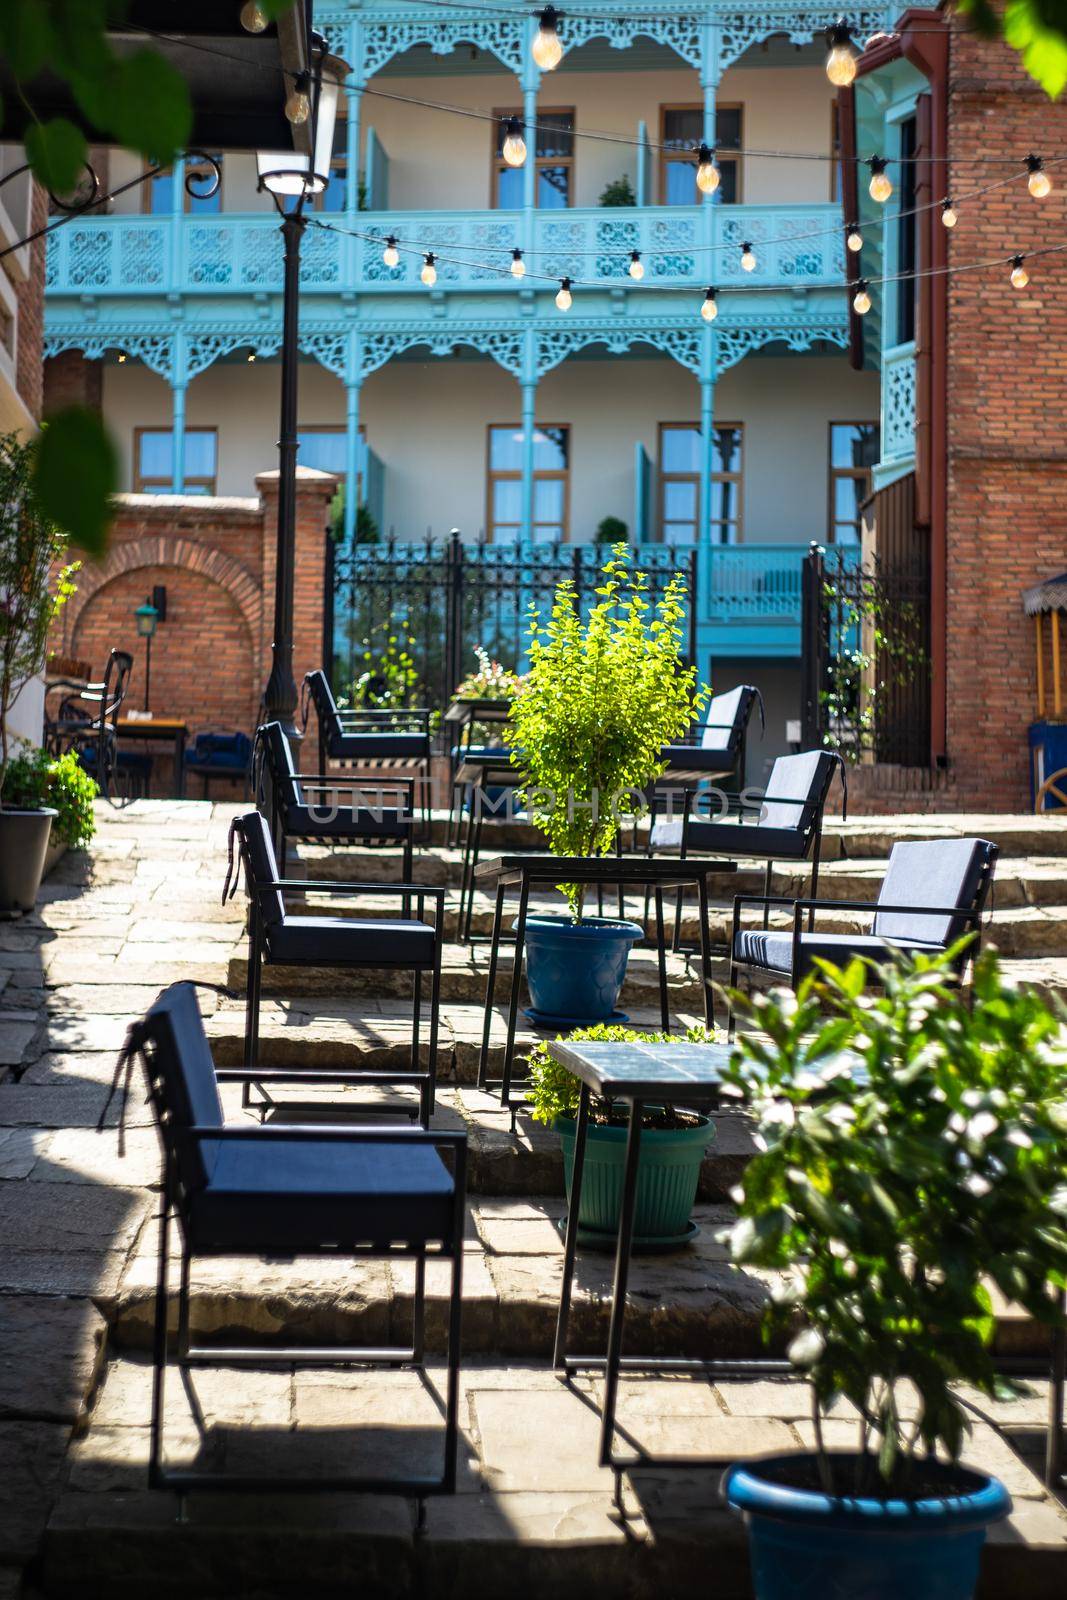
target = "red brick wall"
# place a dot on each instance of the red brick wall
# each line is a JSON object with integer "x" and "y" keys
{"x": 71, "y": 380}
{"x": 1007, "y": 420}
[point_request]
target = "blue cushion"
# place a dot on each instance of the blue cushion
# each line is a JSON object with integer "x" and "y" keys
{"x": 773, "y": 948}
{"x": 930, "y": 872}
{"x": 376, "y": 746}
{"x": 275, "y": 1197}
{"x": 747, "y": 839}
{"x": 182, "y": 1057}
{"x": 698, "y": 758}
{"x": 352, "y": 941}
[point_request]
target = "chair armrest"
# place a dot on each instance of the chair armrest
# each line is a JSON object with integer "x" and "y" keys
{"x": 969, "y": 913}
{"x": 301, "y": 1133}
{"x": 435, "y": 891}
{"x": 764, "y": 900}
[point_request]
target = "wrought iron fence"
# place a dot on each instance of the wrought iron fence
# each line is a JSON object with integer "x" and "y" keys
{"x": 865, "y": 641}
{"x": 421, "y": 607}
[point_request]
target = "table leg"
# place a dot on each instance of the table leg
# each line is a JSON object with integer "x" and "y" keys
{"x": 487, "y": 1024}
{"x": 570, "y": 1247}
{"x": 705, "y": 952}
{"x": 622, "y": 1270}
{"x": 661, "y": 944}
{"x": 516, "y": 980}
{"x": 179, "y": 763}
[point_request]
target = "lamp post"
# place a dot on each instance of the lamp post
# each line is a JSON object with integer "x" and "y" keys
{"x": 147, "y": 617}
{"x": 292, "y": 178}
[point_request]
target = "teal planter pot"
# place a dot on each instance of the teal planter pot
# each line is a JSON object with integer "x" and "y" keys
{"x": 804, "y": 1543}
{"x": 667, "y": 1175}
{"x": 575, "y": 970}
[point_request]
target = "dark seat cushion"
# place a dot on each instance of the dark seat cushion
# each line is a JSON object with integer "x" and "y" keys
{"x": 773, "y": 948}
{"x": 278, "y": 1197}
{"x": 377, "y": 746}
{"x": 698, "y": 758}
{"x": 741, "y": 839}
{"x": 324, "y": 822}
{"x": 351, "y": 941}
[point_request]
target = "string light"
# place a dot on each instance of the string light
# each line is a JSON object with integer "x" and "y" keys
{"x": 710, "y": 309}
{"x": 253, "y": 17}
{"x": 707, "y": 171}
{"x": 547, "y": 49}
{"x": 518, "y": 265}
{"x": 855, "y": 238}
{"x": 251, "y": 355}
{"x": 861, "y": 302}
{"x": 879, "y": 187}
{"x": 1019, "y": 275}
{"x": 391, "y": 255}
{"x": 637, "y": 268}
{"x": 949, "y": 218}
{"x": 1039, "y": 183}
{"x": 840, "y": 63}
{"x": 122, "y": 357}
{"x": 298, "y": 106}
{"x": 514, "y": 147}
{"x": 564, "y": 299}
{"x": 429, "y": 269}
{"x": 748, "y": 257}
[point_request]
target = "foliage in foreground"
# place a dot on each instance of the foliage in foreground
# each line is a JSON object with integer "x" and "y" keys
{"x": 913, "y": 1152}
{"x": 36, "y": 779}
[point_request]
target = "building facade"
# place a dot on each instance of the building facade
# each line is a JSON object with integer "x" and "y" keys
{"x": 475, "y": 402}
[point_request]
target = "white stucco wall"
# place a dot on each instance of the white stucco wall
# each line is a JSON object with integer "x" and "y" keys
{"x": 427, "y": 422}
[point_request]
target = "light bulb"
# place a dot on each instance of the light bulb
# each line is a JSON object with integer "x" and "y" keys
{"x": 514, "y": 147}
{"x": 707, "y": 171}
{"x": 122, "y": 357}
{"x": 518, "y": 265}
{"x": 391, "y": 255}
{"x": 709, "y": 310}
{"x": 429, "y": 270}
{"x": 547, "y": 50}
{"x": 748, "y": 257}
{"x": 298, "y": 105}
{"x": 948, "y": 214}
{"x": 637, "y": 266}
{"x": 861, "y": 302}
{"x": 253, "y": 17}
{"x": 854, "y": 239}
{"x": 880, "y": 188}
{"x": 1019, "y": 275}
{"x": 564, "y": 299}
{"x": 840, "y": 63}
{"x": 1039, "y": 183}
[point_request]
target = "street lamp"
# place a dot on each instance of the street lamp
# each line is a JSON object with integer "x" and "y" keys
{"x": 147, "y": 617}
{"x": 291, "y": 178}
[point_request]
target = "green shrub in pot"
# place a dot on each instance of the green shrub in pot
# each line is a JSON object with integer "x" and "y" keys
{"x": 913, "y": 1158}
{"x": 35, "y": 779}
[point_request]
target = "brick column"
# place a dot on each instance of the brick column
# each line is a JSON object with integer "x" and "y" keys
{"x": 314, "y": 491}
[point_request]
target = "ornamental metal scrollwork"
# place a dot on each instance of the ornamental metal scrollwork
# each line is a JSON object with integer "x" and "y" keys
{"x": 503, "y": 345}
{"x": 504, "y": 38}
{"x": 738, "y": 30}
{"x": 681, "y": 32}
{"x": 330, "y": 348}
{"x": 554, "y": 345}
{"x": 156, "y": 350}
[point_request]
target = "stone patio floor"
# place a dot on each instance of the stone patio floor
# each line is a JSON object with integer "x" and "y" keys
{"x": 534, "y": 1512}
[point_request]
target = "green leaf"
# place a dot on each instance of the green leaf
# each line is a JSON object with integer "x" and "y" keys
{"x": 25, "y": 36}
{"x": 56, "y": 150}
{"x": 75, "y": 475}
{"x": 151, "y": 112}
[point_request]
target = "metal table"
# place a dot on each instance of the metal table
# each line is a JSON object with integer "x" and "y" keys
{"x": 154, "y": 728}
{"x": 687, "y": 1074}
{"x": 532, "y": 870}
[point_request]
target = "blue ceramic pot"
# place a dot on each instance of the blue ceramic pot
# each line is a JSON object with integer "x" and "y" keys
{"x": 806, "y": 1544}
{"x": 575, "y": 969}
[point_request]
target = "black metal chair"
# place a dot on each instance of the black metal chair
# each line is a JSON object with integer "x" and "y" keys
{"x": 492, "y": 787}
{"x": 220, "y": 755}
{"x": 278, "y": 938}
{"x": 325, "y": 810}
{"x": 260, "y": 1193}
{"x": 87, "y": 722}
{"x": 716, "y": 748}
{"x": 934, "y": 891}
{"x": 369, "y": 737}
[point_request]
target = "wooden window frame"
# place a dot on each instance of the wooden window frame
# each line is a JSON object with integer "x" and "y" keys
{"x": 667, "y": 156}
{"x": 496, "y": 161}
{"x": 143, "y": 485}
{"x": 663, "y": 478}
{"x": 496, "y": 475}
{"x": 833, "y": 473}
{"x": 187, "y": 198}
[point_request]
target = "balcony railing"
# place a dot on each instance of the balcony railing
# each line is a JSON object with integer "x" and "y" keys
{"x": 898, "y": 405}
{"x": 795, "y": 246}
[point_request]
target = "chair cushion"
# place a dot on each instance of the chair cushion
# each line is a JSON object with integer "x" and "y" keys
{"x": 742, "y": 839}
{"x": 930, "y": 872}
{"x": 275, "y": 1197}
{"x": 698, "y": 758}
{"x": 772, "y": 948}
{"x": 348, "y": 822}
{"x": 376, "y": 746}
{"x": 352, "y": 941}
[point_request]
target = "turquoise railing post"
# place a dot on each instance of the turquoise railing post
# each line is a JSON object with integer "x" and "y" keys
{"x": 707, "y": 458}
{"x": 528, "y": 392}
{"x": 178, "y": 383}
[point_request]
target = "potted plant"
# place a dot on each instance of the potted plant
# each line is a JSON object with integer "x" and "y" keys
{"x": 602, "y": 697}
{"x": 31, "y": 548}
{"x": 673, "y": 1142}
{"x": 913, "y": 1153}
{"x": 37, "y": 781}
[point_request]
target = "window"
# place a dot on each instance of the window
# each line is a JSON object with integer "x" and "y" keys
{"x": 323, "y": 448}
{"x": 679, "y": 482}
{"x": 554, "y": 187}
{"x": 854, "y": 449}
{"x": 153, "y": 457}
{"x": 906, "y": 235}
{"x": 681, "y": 130}
{"x": 157, "y": 193}
{"x": 550, "y": 483}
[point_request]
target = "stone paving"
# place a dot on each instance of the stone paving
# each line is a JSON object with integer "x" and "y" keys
{"x": 533, "y": 1511}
